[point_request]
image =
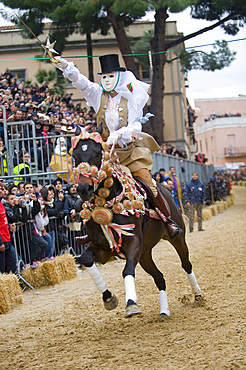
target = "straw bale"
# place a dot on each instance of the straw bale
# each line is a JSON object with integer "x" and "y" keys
{"x": 13, "y": 288}
{"x": 33, "y": 276}
{"x": 10, "y": 292}
{"x": 50, "y": 270}
{"x": 213, "y": 209}
{"x": 220, "y": 207}
{"x": 206, "y": 214}
{"x": 225, "y": 204}
{"x": 68, "y": 270}
{"x": 244, "y": 183}
{"x": 4, "y": 298}
{"x": 229, "y": 201}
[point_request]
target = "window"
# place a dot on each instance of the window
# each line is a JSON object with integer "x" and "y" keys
{"x": 144, "y": 73}
{"x": 19, "y": 74}
{"x": 206, "y": 144}
{"x": 212, "y": 142}
{"x": 200, "y": 144}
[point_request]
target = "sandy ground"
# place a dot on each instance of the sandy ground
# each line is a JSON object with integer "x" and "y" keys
{"x": 66, "y": 327}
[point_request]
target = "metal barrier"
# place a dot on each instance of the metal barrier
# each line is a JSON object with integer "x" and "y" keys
{"x": 29, "y": 252}
{"x": 183, "y": 168}
{"x": 45, "y": 165}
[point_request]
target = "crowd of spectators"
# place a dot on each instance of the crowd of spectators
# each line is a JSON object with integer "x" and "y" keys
{"x": 201, "y": 158}
{"x": 221, "y": 115}
{"x": 238, "y": 175}
{"x": 51, "y": 113}
{"x": 33, "y": 218}
{"x": 171, "y": 149}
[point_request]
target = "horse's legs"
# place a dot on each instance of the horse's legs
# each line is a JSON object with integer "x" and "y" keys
{"x": 132, "y": 252}
{"x": 149, "y": 266}
{"x": 109, "y": 299}
{"x": 180, "y": 245}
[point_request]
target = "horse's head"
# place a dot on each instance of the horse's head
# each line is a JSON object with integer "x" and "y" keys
{"x": 87, "y": 152}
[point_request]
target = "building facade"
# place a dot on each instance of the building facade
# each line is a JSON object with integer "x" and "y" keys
{"x": 220, "y": 130}
{"x": 20, "y": 56}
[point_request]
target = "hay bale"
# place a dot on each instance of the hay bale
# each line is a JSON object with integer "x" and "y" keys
{"x": 206, "y": 214}
{"x": 51, "y": 272}
{"x": 10, "y": 292}
{"x": 229, "y": 201}
{"x": 68, "y": 266}
{"x": 213, "y": 209}
{"x": 225, "y": 204}
{"x": 220, "y": 207}
{"x": 244, "y": 183}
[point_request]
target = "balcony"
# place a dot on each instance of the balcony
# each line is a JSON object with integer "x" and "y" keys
{"x": 235, "y": 151}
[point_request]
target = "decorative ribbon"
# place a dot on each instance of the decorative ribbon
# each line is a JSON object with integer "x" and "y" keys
{"x": 86, "y": 135}
{"x": 120, "y": 229}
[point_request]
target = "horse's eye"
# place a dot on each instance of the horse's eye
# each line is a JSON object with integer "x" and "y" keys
{"x": 84, "y": 147}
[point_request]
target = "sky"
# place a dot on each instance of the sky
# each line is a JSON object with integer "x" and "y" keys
{"x": 226, "y": 83}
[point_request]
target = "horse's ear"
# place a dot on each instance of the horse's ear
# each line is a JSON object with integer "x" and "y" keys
{"x": 100, "y": 128}
{"x": 78, "y": 130}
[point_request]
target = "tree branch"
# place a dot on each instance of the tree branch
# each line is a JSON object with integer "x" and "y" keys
{"x": 190, "y": 36}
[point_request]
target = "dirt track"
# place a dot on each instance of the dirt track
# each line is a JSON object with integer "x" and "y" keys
{"x": 66, "y": 327}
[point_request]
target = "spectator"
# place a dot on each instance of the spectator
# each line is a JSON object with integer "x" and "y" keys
{"x": 168, "y": 183}
{"x": 52, "y": 209}
{"x": 222, "y": 187}
{"x": 48, "y": 149}
{"x": 22, "y": 168}
{"x": 194, "y": 196}
{"x": 41, "y": 222}
{"x": 75, "y": 206}
{"x": 158, "y": 177}
{"x": 32, "y": 245}
{"x": 176, "y": 183}
{"x": 162, "y": 172}
{"x": 3, "y": 160}
{"x": 4, "y": 193}
{"x": 8, "y": 261}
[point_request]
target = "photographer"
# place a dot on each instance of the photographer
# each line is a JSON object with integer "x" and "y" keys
{"x": 53, "y": 209}
{"x": 32, "y": 244}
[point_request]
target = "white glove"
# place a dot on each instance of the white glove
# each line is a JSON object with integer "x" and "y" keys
{"x": 113, "y": 138}
{"x": 62, "y": 63}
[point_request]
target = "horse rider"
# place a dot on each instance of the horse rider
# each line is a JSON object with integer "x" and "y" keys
{"x": 118, "y": 103}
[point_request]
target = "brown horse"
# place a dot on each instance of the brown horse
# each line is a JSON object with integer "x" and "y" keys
{"x": 114, "y": 228}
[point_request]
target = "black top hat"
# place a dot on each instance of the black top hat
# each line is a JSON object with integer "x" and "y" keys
{"x": 110, "y": 63}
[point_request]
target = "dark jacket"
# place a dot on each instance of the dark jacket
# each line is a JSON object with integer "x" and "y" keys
{"x": 53, "y": 212}
{"x": 194, "y": 192}
{"x": 15, "y": 213}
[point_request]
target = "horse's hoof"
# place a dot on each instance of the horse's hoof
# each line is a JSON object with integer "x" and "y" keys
{"x": 198, "y": 297}
{"x": 111, "y": 303}
{"x": 163, "y": 316}
{"x": 132, "y": 310}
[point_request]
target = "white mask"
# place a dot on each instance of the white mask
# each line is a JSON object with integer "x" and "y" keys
{"x": 109, "y": 81}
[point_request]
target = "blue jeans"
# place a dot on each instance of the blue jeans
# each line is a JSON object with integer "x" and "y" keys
{"x": 50, "y": 239}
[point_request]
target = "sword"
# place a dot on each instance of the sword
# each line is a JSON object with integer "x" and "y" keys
{"x": 48, "y": 48}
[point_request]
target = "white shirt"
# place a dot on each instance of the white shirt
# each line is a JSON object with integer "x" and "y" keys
{"x": 92, "y": 92}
